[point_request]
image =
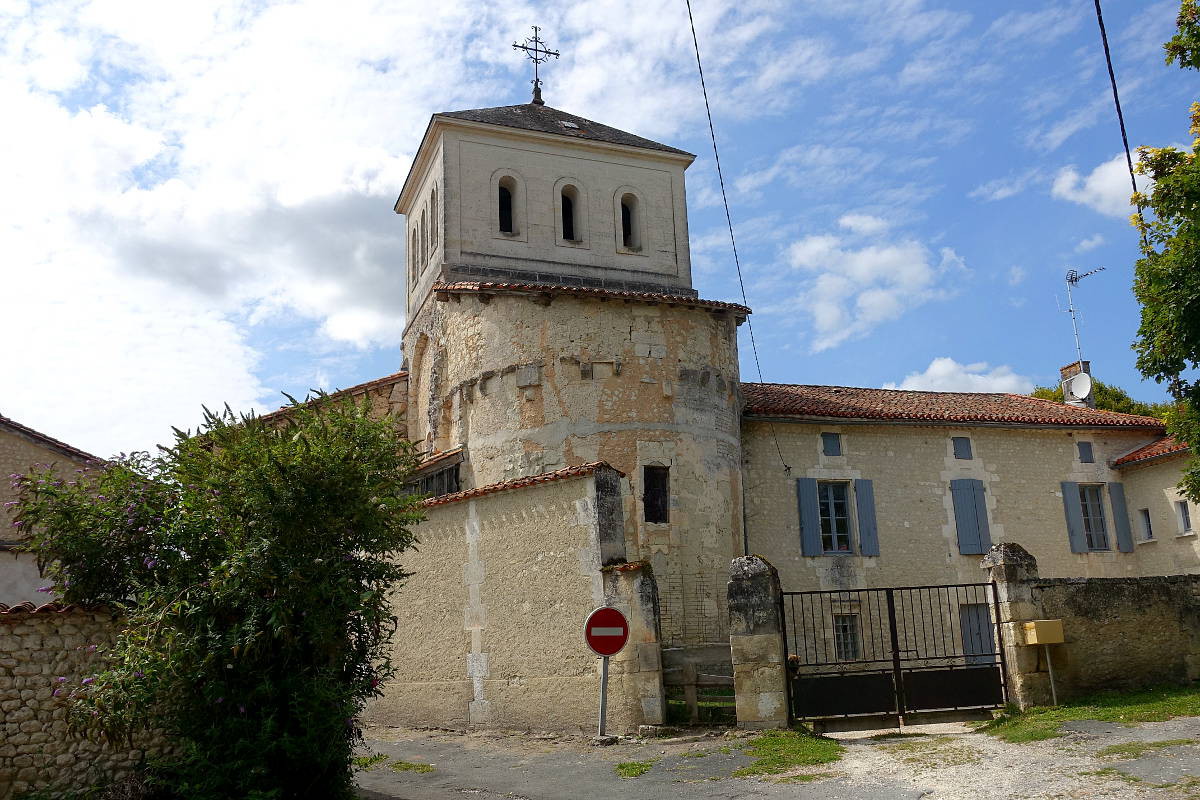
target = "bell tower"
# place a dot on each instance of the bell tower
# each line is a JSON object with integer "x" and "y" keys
{"x": 552, "y": 323}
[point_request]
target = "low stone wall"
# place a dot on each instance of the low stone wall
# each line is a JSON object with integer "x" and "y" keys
{"x": 1120, "y": 633}
{"x": 43, "y": 651}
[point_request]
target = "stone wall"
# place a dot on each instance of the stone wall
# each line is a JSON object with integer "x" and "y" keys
{"x": 36, "y": 650}
{"x": 491, "y": 621}
{"x": 1154, "y": 487}
{"x": 1120, "y": 633}
{"x": 911, "y": 468}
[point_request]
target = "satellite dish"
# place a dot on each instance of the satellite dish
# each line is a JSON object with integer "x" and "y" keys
{"x": 1080, "y": 386}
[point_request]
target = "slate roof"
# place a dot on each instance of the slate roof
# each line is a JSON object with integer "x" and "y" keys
{"x": 520, "y": 483}
{"x": 531, "y": 117}
{"x": 788, "y": 400}
{"x": 1159, "y": 448}
{"x": 47, "y": 441}
{"x": 484, "y": 287}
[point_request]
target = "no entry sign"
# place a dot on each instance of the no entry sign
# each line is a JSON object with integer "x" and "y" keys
{"x": 606, "y": 631}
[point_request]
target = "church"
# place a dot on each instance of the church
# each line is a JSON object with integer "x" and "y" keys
{"x": 588, "y": 440}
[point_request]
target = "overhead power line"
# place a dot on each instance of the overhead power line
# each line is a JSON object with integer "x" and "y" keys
{"x": 729, "y": 220}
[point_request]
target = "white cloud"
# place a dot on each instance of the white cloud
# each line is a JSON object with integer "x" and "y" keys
{"x": 846, "y": 292}
{"x": 1041, "y": 27}
{"x": 863, "y": 224}
{"x": 944, "y": 374}
{"x": 1016, "y": 275}
{"x": 1090, "y": 243}
{"x": 1105, "y": 189}
{"x": 1003, "y": 188}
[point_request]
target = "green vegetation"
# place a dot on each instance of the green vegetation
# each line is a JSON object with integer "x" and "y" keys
{"x": 1110, "y": 398}
{"x": 1131, "y": 750}
{"x": 1167, "y": 276}
{"x": 635, "y": 769}
{"x": 779, "y": 751}
{"x": 368, "y": 762}
{"x": 252, "y": 564}
{"x": 410, "y": 766}
{"x": 1148, "y": 705}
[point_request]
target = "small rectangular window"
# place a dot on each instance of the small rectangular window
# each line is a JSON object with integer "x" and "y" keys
{"x": 962, "y": 447}
{"x": 845, "y": 637}
{"x": 1184, "y": 515}
{"x": 656, "y": 497}
{"x": 1085, "y": 453}
{"x": 833, "y": 499}
{"x": 831, "y": 444}
{"x": 1091, "y": 500}
{"x": 1147, "y": 528}
{"x": 436, "y": 484}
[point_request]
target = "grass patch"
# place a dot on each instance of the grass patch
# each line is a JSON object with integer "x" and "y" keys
{"x": 779, "y": 751}
{"x": 806, "y": 778}
{"x": 1110, "y": 772}
{"x": 410, "y": 766}
{"x": 634, "y": 769}
{"x": 930, "y": 751}
{"x": 1128, "y": 708}
{"x": 1139, "y": 749}
{"x": 693, "y": 754}
{"x": 368, "y": 762}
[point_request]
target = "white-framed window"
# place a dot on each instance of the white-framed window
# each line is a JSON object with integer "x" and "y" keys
{"x": 630, "y": 225}
{"x": 846, "y": 637}
{"x": 1095, "y": 529}
{"x": 508, "y": 209}
{"x": 568, "y": 200}
{"x": 1183, "y": 516}
{"x": 833, "y": 499}
{"x": 1146, "y": 525}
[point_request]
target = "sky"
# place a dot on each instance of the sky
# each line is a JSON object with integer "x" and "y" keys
{"x": 198, "y": 196}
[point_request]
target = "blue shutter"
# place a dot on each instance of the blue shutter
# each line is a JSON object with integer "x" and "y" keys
{"x": 1116, "y": 496}
{"x": 831, "y": 444}
{"x": 962, "y": 447}
{"x": 1085, "y": 453}
{"x": 810, "y": 516}
{"x": 1074, "y": 511}
{"x": 868, "y": 531}
{"x": 970, "y": 516}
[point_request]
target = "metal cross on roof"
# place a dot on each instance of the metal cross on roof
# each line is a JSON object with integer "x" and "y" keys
{"x": 538, "y": 53}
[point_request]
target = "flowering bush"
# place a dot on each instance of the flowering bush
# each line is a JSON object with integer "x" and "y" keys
{"x": 254, "y": 565}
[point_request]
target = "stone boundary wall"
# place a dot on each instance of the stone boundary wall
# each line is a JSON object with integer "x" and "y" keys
{"x": 37, "y": 647}
{"x": 1120, "y": 633}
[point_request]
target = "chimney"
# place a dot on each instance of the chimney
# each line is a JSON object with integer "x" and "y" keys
{"x": 1077, "y": 393}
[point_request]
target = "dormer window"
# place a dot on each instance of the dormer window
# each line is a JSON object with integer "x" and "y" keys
{"x": 569, "y": 199}
{"x": 505, "y": 205}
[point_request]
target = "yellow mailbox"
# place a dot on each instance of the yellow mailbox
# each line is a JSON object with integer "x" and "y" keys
{"x": 1044, "y": 631}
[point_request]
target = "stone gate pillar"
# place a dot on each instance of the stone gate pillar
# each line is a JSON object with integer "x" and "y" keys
{"x": 1014, "y": 570}
{"x": 756, "y": 644}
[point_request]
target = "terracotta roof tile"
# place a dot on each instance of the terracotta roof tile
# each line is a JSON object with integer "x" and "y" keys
{"x": 519, "y": 483}
{"x": 46, "y": 608}
{"x": 48, "y": 441}
{"x": 531, "y": 117}
{"x": 1159, "y": 448}
{"x": 787, "y": 400}
{"x": 485, "y": 287}
{"x": 386, "y": 380}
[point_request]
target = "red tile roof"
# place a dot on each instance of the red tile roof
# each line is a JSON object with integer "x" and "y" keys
{"x": 46, "y": 608}
{"x": 1159, "y": 448}
{"x": 519, "y": 483}
{"x": 491, "y": 287}
{"x": 846, "y": 402}
{"x": 43, "y": 439}
{"x": 386, "y": 380}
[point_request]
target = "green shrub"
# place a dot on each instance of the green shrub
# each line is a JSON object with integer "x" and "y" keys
{"x": 252, "y": 564}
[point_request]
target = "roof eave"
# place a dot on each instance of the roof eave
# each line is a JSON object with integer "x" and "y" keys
{"x": 809, "y": 419}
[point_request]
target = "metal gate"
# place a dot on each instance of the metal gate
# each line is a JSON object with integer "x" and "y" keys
{"x": 896, "y": 651}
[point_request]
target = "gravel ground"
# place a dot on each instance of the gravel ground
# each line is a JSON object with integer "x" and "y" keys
{"x": 936, "y": 762}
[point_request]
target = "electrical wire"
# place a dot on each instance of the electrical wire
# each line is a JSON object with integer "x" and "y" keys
{"x": 729, "y": 222}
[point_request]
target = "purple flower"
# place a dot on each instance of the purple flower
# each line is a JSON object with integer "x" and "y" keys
{"x": 91, "y": 648}
{"x": 220, "y": 699}
{"x": 150, "y": 563}
{"x": 57, "y": 692}
{"x": 87, "y": 681}
{"x": 60, "y": 679}
{"x": 45, "y": 589}
{"x": 242, "y": 709}
{"x": 139, "y": 674}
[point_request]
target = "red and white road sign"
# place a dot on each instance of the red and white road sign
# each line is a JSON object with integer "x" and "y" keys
{"x": 606, "y": 631}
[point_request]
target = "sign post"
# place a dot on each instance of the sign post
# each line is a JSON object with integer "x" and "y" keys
{"x": 606, "y": 632}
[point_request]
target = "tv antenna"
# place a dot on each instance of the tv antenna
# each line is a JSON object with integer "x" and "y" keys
{"x": 1073, "y": 279}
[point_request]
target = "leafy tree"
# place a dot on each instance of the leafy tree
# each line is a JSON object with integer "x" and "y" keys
{"x": 1167, "y": 278}
{"x": 253, "y": 565}
{"x": 1109, "y": 398}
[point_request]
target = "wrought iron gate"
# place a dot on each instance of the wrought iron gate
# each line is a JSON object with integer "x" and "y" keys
{"x": 898, "y": 651}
